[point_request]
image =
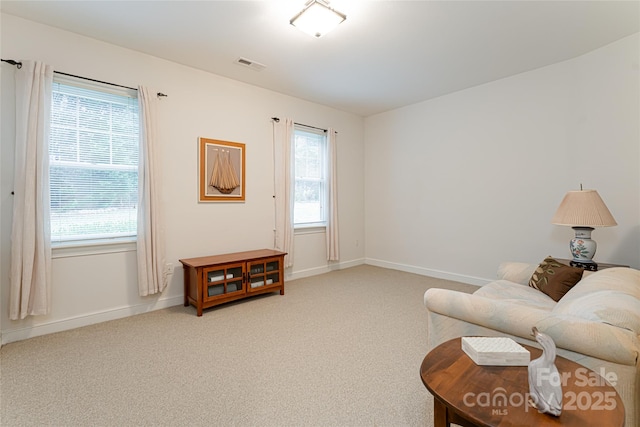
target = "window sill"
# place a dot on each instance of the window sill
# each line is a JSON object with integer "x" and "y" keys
{"x": 92, "y": 247}
{"x": 310, "y": 229}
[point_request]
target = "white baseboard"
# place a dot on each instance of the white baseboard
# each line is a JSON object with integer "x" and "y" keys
{"x": 478, "y": 281}
{"x": 87, "y": 319}
{"x": 299, "y": 274}
{"x": 27, "y": 332}
{"x": 8, "y": 336}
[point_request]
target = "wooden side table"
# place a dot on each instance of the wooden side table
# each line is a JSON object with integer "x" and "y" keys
{"x": 471, "y": 395}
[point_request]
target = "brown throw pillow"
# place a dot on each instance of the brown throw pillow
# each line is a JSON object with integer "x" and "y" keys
{"x": 555, "y": 279}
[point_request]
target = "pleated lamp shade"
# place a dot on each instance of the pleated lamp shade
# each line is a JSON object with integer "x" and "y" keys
{"x": 583, "y": 208}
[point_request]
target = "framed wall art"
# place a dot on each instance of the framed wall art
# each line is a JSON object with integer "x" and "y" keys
{"x": 221, "y": 171}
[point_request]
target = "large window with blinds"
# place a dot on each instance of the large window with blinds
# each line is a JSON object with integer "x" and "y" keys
{"x": 93, "y": 153}
{"x": 310, "y": 170}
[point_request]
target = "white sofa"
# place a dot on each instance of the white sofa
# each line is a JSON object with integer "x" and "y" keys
{"x": 596, "y": 323}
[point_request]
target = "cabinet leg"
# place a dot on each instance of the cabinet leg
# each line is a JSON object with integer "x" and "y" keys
{"x": 282, "y": 291}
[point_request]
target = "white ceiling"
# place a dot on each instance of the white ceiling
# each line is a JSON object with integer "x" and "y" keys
{"x": 387, "y": 54}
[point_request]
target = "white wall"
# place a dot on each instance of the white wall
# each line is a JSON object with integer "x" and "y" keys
{"x": 96, "y": 287}
{"x": 458, "y": 184}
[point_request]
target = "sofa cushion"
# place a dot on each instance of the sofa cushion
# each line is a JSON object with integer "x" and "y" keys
{"x": 611, "y": 307}
{"x": 517, "y": 272}
{"x": 621, "y": 279}
{"x": 554, "y": 278}
{"x": 508, "y": 291}
{"x": 610, "y": 296}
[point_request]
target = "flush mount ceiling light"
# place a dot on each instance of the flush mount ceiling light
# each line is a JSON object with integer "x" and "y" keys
{"x": 317, "y": 18}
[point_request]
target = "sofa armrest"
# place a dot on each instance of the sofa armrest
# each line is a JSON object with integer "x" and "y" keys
{"x": 517, "y": 272}
{"x": 504, "y": 316}
{"x": 595, "y": 339}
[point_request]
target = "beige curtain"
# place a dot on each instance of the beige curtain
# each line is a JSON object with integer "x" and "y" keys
{"x": 152, "y": 274}
{"x": 283, "y": 188}
{"x": 30, "y": 292}
{"x": 333, "y": 243}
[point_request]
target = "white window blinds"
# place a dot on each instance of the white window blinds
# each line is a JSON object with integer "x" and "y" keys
{"x": 310, "y": 170}
{"x": 93, "y": 152}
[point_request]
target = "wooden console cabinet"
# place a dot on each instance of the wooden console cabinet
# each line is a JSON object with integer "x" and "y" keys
{"x": 217, "y": 279}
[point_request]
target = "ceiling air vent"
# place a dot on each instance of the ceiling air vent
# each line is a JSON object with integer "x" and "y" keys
{"x": 251, "y": 64}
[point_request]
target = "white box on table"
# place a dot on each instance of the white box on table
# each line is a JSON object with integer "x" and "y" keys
{"x": 495, "y": 351}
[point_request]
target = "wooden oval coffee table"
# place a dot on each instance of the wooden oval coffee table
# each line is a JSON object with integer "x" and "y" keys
{"x": 471, "y": 395}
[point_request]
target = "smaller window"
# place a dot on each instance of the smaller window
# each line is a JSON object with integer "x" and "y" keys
{"x": 310, "y": 170}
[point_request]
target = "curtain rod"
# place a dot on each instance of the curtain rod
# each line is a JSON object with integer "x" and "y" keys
{"x": 19, "y": 65}
{"x": 277, "y": 119}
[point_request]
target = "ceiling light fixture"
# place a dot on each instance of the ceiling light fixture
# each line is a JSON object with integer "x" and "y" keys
{"x": 317, "y": 18}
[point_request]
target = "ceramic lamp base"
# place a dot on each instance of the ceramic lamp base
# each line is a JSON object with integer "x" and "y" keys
{"x": 582, "y": 247}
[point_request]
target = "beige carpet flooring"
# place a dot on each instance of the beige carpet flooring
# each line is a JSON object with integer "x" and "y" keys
{"x": 338, "y": 349}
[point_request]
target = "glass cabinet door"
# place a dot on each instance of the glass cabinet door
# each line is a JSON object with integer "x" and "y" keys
{"x": 221, "y": 281}
{"x": 264, "y": 273}
{"x": 273, "y": 272}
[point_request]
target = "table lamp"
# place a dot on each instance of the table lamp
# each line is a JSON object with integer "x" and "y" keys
{"x": 583, "y": 210}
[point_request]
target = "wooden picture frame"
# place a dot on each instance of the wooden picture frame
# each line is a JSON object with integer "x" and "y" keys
{"x": 222, "y": 171}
